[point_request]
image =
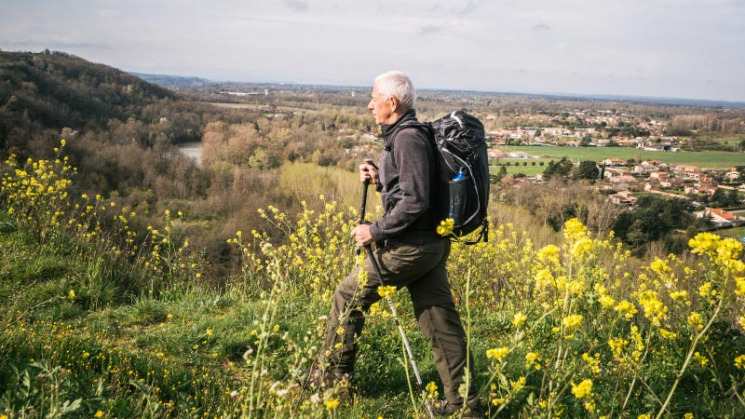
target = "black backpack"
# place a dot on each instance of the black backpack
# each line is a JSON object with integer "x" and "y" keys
{"x": 462, "y": 173}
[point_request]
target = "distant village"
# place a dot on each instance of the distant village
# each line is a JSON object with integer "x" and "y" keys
{"x": 623, "y": 180}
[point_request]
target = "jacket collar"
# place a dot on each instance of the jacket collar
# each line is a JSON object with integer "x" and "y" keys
{"x": 389, "y": 129}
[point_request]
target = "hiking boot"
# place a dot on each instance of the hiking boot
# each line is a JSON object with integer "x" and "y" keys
{"x": 315, "y": 378}
{"x": 443, "y": 408}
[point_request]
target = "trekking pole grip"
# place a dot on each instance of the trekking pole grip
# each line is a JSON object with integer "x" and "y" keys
{"x": 363, "y": 207}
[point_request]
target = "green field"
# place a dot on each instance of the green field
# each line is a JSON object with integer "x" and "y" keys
{"x": 703, "y": 159}
{"x": 732, "y": 232}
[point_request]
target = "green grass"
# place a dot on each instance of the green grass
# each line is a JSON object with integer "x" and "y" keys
{"x": 736, "y": 232}
{"x": 703, "y": 159}
{"x": 89, "y": 330}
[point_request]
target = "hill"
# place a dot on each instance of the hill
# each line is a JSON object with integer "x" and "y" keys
{"x": 53, "y": 90}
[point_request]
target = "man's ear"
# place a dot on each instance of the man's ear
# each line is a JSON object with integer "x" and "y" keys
{"x": 394, "y": 103}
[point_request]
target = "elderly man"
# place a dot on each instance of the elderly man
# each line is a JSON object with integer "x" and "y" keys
{"x": 409, "y": 252}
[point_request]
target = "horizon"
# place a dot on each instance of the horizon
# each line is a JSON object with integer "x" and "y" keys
{"x": 557, "y": 95}
{"x": 649, "y": 49}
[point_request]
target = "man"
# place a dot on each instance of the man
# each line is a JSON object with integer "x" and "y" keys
{"x": 409, "y": 252}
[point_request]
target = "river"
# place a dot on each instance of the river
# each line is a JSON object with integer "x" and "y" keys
{"x": 193, "y": 150}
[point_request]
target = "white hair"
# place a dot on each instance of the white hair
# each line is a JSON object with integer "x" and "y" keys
{"x": 397, "y": 84}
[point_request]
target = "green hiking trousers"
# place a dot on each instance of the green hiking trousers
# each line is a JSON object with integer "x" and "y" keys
{"x": 421, "y": 268}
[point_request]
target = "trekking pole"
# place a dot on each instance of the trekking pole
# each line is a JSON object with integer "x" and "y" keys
{"x": 401, "y": 331}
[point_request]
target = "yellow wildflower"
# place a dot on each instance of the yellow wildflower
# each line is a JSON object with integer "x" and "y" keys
{"x": 530, "y": 358}
{"x": 679, "y": 295}
{"x": 332, "y": 404}
{"x": 728, "y": 249}
{"x": 550, "y": 253}
{"x": 592, "y": 361}
{"x": 660, "y": 267}
{"x": 582, "y": 247}
{"x": 583, "y": 389}
{"x": 572, "y": 322}
{"x": 705, "y": 290}
{"x": 666, "y": 334}
{"x": 704, "y": 243}
{"x": 627, "y": 309}
{"x": 519, "y": 319}
{"x": 574, "y": 230}
{"x": 617, "y": 346}
{"x": 607, "y": 301}
{"x": 544, "y": 278}
{"x": 654, "y": 310}
{"x": 432, "y": 390}
{"x": 497, "y": 353}
{"x": 695, "y": 321}
{"x": 701, "y": 359}
{"x": 446, "y": 227}
{"x": 386, "y": 291}
{"x": 739, "y": 285}
{"x": 99, "y": 414}
{"x": 740, "y": 362}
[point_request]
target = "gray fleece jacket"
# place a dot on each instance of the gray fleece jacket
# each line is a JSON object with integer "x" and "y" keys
{"x": 407, "y": 176}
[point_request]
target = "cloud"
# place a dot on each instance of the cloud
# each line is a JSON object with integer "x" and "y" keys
{"x": 541, "y": 27}
{"x": 109, "y": 13}
{"x": 469, "y": 8}
{"x": 298, "y": 5}
{"x": 428, "y": 30}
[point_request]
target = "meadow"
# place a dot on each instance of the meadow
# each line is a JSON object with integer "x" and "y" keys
{"x": 99, "y": 322}
{"x": 702, "y": 159}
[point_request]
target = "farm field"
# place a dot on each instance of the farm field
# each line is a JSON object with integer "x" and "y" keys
{"x": 732, "y": 232}
{"x": 703, "y": 159}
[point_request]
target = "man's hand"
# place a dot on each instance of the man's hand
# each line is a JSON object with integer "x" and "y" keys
{"x": 368, "y": 171}
{"x": 362, "y": 235}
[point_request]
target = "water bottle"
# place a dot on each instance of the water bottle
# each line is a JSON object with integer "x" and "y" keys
{"x": 458, "y": 196}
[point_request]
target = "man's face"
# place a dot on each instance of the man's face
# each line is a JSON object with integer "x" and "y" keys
{"x": 381, "y": 106}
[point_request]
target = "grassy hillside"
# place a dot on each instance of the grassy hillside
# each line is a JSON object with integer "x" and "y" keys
{"x": 97, "y": 323}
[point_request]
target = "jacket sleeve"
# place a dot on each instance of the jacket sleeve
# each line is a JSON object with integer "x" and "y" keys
{"x": 413, "y": 158}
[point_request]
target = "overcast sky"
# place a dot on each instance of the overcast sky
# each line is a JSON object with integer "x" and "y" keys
{"x": 665, "y": 48}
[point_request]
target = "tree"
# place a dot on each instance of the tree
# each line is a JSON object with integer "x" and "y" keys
{"x": 561, "y": 168}
{"x": 653, "y": 219}
{"x": 587, "y": 170}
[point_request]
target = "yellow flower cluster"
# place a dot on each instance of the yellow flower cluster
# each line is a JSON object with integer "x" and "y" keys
{"x": 532, "y": 358}
{"x": 627, "y": 309}
{"x": 497, "y": 354}
{"x": 519, "y": 319}
{"x": 549, "y": 253}
{"x": 740, "y": 362}
{"x": 445, "y": 227}
{"x": 386, "y": 291}
{"x": 654, "y": 309}
{"x": 574, "y": 230}
{"x": 582, "y": 390}
{"x": 572, "y": 322}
